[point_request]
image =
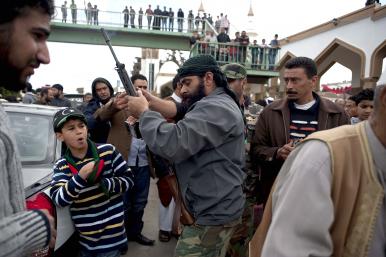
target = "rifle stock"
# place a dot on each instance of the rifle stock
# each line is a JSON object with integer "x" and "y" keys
{"x": 185, "y": 217}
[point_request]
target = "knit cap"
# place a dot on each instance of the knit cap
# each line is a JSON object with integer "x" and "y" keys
{"x": 234, "y": 71}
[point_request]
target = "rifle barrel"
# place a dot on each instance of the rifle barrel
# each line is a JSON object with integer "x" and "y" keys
{"x": 107, "y": 39}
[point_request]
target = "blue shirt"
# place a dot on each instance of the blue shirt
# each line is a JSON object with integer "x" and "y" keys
{"x": 137, "y": 151}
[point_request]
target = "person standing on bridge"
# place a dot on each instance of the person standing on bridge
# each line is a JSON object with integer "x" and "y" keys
{"x": 190, "y": 21}
{"x": 140, "y": 17}
{"x": 64, "y": 12}
{"x": 207, "y": 147}
{"x": 171, "y": 19}
{"x": 157, "y": 18}
{"x": 132, "y": 17}
{"x": 88, "y": 11}
{"x": 125, "y": 17}
{"x": 73, "y": 11}
{"x": 149, "y": 14}
{"x": 329, "y": 197}
{"x": 164, "y": 19}
{"x": 273, "y": 50}
{"x": 95, "y": 14}
{"x": 24, "y": 29}
{"x": 180, "y": 20}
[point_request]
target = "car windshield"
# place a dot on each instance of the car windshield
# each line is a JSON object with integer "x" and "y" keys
{"x": 34, "y": 137}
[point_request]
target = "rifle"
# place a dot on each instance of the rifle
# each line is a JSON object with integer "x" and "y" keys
{"x": 126, "y": 82}
{"x": 120, "y": 68}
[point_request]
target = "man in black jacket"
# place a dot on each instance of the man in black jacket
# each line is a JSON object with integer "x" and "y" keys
{"x": 102, "y": 91}
{"x": 180, "y": 21}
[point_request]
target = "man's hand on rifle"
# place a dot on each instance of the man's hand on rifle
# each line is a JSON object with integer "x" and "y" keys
{"x": 120, "y": 101}
{"x": 149, "y": 97}
{"x": 167, "y": 108}
{"x": 137, "y": 104}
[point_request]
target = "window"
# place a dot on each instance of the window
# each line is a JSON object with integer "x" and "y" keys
{"x": 35, "y": 138}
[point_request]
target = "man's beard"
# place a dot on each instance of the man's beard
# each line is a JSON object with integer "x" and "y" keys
{"x": 104, "y": 101}
{"x": 10, "y": 76}
{"x": 190, "y": 100}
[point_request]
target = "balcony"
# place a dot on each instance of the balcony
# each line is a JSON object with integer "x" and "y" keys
{"x": 260, "y": 61}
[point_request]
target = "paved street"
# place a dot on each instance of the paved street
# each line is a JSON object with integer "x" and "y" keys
{"x": 151, "y": 230}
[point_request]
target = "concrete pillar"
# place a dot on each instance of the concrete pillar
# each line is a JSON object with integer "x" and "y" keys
{"x": 273, "y": 90}
{"x": 369, "y": 83}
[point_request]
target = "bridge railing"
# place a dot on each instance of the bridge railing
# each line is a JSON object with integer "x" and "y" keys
{"x": 91, "y": 17}
{"x": 253, "y": 57}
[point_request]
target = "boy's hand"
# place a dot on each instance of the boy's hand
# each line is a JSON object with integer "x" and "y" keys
{"x": 86, "y": 170}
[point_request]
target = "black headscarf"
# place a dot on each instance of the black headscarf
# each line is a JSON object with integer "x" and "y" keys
{"x": 199, "y": 65}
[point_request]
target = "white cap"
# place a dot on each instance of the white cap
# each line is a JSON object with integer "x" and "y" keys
{"x": 382, "y": 79}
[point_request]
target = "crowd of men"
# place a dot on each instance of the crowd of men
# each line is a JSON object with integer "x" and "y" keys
{"x": 319, "y": 178}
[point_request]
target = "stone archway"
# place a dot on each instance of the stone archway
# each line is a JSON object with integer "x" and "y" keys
{"x": 376, "y": 63}
{"x": 288, "y": 55}
{"x": 347, "y": 55}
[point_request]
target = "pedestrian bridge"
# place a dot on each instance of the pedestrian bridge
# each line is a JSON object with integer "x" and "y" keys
{"x": 91, "y": 34}
{"x": 83, "y": 26}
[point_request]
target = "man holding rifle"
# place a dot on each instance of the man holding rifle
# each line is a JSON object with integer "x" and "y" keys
{"x": 207, "y": 147}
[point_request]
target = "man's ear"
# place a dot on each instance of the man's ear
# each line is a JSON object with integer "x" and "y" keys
{"x": 209, "y": 79}
{"x": 59, "y": 136}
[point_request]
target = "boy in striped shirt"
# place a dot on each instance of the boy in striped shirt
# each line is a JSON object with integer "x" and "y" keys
{"x": 91, "y": 179}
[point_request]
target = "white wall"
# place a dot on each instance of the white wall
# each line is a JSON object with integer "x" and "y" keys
{"x": 364, "y": 34}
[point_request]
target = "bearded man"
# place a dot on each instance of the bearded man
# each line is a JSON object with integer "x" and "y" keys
{"x": 207, "y": 148}
{"x": 24, "y": 29}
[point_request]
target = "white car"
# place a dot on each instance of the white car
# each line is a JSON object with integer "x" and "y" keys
{"x": 39, "y": 148}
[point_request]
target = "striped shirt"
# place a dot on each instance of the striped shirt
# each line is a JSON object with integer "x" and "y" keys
{"x": 98, "y": 217}
{"x": 303, "y": 122}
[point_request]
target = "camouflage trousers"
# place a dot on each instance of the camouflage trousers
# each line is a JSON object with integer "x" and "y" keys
{"x": 205, "y": 241}
{"x": 238, "y": 246}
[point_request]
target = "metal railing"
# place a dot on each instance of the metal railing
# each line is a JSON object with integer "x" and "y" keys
{"x": 253, "y": 57}
{"x": 97, "y": 17}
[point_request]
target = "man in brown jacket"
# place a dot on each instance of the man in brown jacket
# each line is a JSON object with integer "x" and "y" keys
{"x": 284, "y": 123}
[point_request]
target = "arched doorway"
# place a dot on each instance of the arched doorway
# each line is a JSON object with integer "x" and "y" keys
{"x": 347, "y": 55}
{"x": 377, "y": 60}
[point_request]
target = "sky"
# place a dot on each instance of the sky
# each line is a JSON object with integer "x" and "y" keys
{"x": 75, "y": 66}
